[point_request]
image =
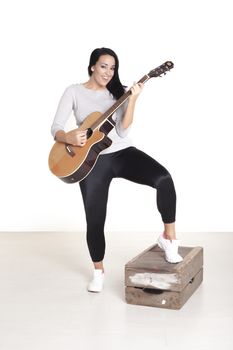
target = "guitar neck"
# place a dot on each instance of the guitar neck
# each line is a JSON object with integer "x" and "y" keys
{"x": 116, "y": 105}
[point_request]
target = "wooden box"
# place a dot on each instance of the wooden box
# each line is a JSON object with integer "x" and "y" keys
{"x": 151, "y": 281}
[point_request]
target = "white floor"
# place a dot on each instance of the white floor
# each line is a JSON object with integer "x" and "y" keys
{"x": 44, "y": 303}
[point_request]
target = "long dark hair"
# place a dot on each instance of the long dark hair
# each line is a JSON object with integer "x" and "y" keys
{"x": 114, "y": 86}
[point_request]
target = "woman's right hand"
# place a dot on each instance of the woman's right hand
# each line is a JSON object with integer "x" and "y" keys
{"x": 76, "y": 138}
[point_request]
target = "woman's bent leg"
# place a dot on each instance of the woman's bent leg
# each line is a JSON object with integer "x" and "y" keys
{"x": 137, "y": 166}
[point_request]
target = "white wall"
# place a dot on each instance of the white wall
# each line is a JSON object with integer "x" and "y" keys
{"x": 183, "y": 119}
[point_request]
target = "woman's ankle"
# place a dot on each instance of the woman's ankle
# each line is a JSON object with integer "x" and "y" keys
{"x": 169, "y": 231}
{"x": 170, "y": 236}
{"x": 99, "y": 265}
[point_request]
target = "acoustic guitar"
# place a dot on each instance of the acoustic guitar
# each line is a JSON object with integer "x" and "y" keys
{"x": 73, "y": 163}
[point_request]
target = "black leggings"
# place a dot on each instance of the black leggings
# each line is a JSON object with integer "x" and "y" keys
{"x": 131, "y": 164}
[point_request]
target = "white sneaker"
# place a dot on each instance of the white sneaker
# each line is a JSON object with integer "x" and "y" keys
{"x": 97, "y": 283}
{"x": 170, "y": 248}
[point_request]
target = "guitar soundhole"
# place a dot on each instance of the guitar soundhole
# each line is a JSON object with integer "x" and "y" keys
{"x": 89, "y": 132}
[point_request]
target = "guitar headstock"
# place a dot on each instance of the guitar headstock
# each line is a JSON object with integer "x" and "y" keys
{"x": 157, "y": 72}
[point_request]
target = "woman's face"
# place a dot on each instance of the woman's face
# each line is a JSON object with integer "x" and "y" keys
{"x": 103, "y": 70}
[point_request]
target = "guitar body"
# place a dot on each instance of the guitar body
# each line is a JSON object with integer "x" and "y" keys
{"x": 73, "y": 163}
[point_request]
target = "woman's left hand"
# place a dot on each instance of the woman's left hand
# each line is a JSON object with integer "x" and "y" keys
{"x": 136, "y": 89}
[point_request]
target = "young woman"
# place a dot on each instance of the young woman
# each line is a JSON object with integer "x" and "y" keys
{"x": 121, "y": 159}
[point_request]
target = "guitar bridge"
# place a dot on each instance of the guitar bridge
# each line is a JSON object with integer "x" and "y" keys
{"x": 69, "y": 150}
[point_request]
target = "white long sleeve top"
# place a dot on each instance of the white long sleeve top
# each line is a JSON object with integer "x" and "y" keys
{"x": 81, "y": 101}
